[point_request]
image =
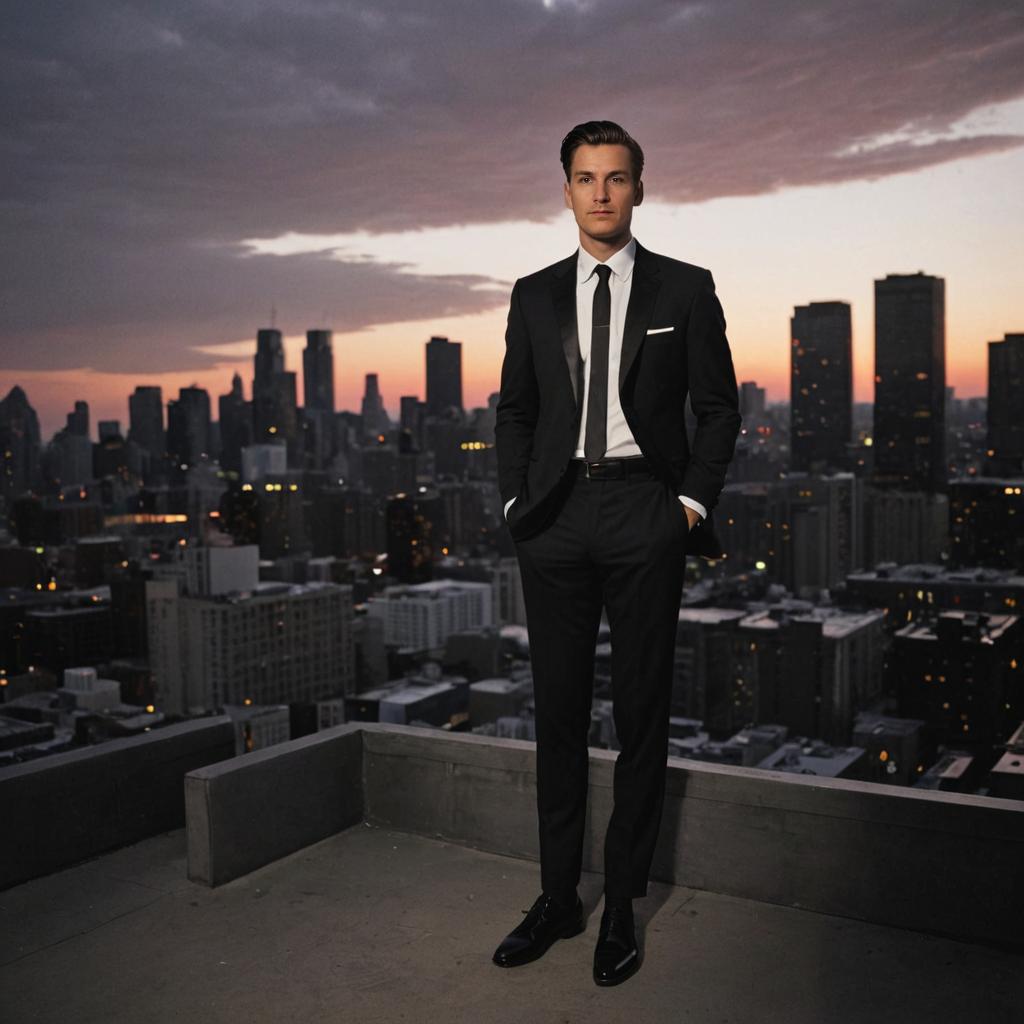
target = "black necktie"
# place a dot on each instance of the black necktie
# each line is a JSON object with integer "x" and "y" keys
{"x": 595, "y": 440}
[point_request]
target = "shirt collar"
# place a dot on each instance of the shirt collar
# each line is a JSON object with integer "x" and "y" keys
{"x": 621, "y": 262}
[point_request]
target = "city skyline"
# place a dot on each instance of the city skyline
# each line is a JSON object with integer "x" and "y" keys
{"x": 382, "y": 174}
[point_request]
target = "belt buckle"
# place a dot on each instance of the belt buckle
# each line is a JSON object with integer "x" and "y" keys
{"x": 611, "y": 470}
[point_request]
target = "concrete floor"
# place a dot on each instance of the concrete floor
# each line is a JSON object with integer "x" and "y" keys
{"x": 372, "y": 925}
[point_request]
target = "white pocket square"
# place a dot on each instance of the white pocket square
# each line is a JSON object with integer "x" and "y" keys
{"x": 660, "y": 330}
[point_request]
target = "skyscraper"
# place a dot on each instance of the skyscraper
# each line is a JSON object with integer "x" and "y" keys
{"x": 19, "y": 444}
{"x": 910, "y": 382}
{"x": 821, "y": 388}
{"x": 318, "y": 371}
{"x": 146, "y": 420}
{"x": 188, "y": 427}
{"x": 444, "y": 376}
{"x": 375, "y": 417}
{"x": 1005, "y": 387}
{"x": 78, "y": 420}
{"x": 235, "y": 416}
{"x": 269, "y": 356}
{"x": 273, "y": 393}
{"x": 411, "y": 413}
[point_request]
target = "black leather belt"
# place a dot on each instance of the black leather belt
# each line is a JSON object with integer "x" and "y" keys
{"x": 614, "y": 469}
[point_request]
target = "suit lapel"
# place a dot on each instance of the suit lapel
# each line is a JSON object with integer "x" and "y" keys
{"x": 563, "y": 293}
{"x": 639, "y": 309}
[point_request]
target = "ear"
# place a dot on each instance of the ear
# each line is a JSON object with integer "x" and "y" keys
{"x": 638, "y": 196}
{"x": 567, "y": 192}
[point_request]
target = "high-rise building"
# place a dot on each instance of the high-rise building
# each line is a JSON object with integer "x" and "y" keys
{"x": 274, "y": 411}
{"x": 318, "y": 371}
{"x": 958, "y": 672}
{"x": 905, "y": 525}
{"x": 19, "y": 444}
{"x": 1005, "y": 424}
{"x": 78, "y": 419}
{"x": 411, "y": 414}
{"x": 146, "y": 420}
{"x": 375, "y": 417}
{"x": 910, "y": 382}
{"x": 188, "y": 427}
{"x": 269, "y": 356}
{"x": 444, "y": 376}
{"x": 422, "y": 616}
{"x": 821, "y": 390}
{"x": 411, "y": 520}
{"x": 818, "y": 530}
{"x": 752, "y": 400}
{"x": 235, "y": 416}
{"x": 108, "y": 430}
{"x": 275, "y": 643}
{"x": 985, "y": 514}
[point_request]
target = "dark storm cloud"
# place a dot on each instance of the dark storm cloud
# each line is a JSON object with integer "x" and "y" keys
{"x": 143, "y": 141}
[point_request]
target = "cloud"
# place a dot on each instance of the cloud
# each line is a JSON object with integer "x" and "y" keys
{"x": 145, "y": 141}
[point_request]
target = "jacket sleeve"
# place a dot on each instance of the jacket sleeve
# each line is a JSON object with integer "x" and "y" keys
{"x": 713, "y": 396}
{"x": 518, "y": 403}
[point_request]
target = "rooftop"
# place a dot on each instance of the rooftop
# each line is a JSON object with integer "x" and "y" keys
{"x": 377, "y": 925}
{"x": 367, "y": 873}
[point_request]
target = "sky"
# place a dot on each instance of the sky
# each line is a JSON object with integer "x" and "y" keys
{"x": 176, "y": 174}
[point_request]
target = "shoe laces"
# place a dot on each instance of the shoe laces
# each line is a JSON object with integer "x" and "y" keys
{"x": 617, "y": 923}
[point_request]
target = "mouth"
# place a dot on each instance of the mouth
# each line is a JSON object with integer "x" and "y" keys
{"x": 601, "y": 213}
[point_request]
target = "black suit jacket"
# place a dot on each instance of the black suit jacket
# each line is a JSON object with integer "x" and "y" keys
{"x": 540, "y": 403}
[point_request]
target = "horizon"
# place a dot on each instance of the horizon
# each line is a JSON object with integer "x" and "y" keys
{"x": 171, "y": 179}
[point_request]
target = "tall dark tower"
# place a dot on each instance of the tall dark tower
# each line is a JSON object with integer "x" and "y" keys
{"x": 146, "y": 420}
{"x": 274, "y": 415}
{"x": 318, "y": 371}
{"x": 269, "y": 357}
{"x": 188, "y": 427}
{"x": 821, "y": 386}
{"x": 78, "y": 421}
{"x": 20, "y": 444}
{"x": 375, "y": 417}
{"x": 444, "y": 375}
{"x": 235, "y": 416}
{"x": 910, "y": 382}
{"x": 1005, "y": 387}
{"x": 411, "y": 412}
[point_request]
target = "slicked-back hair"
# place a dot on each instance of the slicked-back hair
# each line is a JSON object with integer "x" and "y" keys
{"x": 601, "y": 133}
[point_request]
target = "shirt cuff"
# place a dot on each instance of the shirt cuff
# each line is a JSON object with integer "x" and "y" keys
{"x": 507, "y": 503}
{"x": 691, "y": 503}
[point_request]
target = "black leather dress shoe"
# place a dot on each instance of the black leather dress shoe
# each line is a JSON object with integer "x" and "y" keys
{"x": 545, "y": 922}
{"x": 616, "y": 956}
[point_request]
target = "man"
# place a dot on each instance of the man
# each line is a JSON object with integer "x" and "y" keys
{"x": 604, "y": 496}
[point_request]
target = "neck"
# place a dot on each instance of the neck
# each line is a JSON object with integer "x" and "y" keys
{"x": 604, "y": 248}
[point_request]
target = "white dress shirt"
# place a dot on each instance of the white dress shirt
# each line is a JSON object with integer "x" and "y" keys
{"x": 619, "y": 438}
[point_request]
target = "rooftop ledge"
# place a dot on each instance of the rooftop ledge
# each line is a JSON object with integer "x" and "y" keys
{"x": 930, "y": 861}
{"x": 267, "y": 906}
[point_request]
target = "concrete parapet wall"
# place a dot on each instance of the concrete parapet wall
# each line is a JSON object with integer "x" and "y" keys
{"x": 247, "y": 812}
{"x": 930, "y": 861}
{"x": 61, "y": 809}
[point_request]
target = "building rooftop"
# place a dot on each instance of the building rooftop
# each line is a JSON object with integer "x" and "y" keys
{"x": 374, "y": 924}
{"x": 368, "y": 872}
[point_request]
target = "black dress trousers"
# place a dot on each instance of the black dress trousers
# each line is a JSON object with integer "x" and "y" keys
{"x": 618, "y": 544}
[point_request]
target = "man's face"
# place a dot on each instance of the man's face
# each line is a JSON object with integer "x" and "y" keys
{"x": 601, "y": 190}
